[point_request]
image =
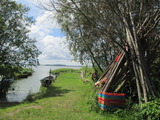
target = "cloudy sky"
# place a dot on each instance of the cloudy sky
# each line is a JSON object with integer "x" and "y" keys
{"x": 50, "y": 39}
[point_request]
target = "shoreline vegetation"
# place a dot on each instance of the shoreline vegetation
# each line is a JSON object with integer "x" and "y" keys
{"x": 24, "y": 73}
{"x": 62, "y": 65}
{"x": 68, "y": 98}
{"x": 5, "y": 82}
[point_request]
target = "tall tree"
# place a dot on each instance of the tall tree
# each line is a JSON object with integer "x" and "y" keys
{"x": 85, "y": 41}
{"x": 134, "y": 23}
{"x": 16, "y": 47}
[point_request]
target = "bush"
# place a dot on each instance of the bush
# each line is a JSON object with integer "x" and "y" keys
{"x": 92, "y": 97}
{"x": 151, "y": 109}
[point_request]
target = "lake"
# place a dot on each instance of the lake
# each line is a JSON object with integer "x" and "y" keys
{"x": 23, "y": 87}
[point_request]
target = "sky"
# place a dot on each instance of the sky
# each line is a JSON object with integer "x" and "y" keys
{"x": 51, "y": 41}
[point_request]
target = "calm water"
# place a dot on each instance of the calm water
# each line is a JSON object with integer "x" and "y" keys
{"x": 21, "y": 88}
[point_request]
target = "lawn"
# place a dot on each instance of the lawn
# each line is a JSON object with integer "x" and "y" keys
{"x": 66, "y": 99}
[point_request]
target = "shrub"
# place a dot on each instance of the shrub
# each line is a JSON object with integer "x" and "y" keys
{"x": 151, "y": 109}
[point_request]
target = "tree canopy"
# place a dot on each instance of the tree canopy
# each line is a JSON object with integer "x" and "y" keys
{"x": 16, "y": 47}
{"x": 98, "y": 29}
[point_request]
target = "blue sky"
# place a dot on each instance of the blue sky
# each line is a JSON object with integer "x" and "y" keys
{"x": 50, "y": 39}
{"x": 34, "y": 11}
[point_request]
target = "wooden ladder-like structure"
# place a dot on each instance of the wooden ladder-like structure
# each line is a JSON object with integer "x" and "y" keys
{"x": 113, "y": 79}
{"x": 115, "y": 75}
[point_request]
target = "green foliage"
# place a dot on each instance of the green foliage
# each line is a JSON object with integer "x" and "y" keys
{"x": 23, "y": 73}
{"x": 17, "y": 48}
{"x": 155, "y": 71}
{"x": 27, "y": 70}
{"x": 9, "y": 71}
{"x": 87, "y": 72}
{"x": 83, "y": 36}
{"x": 91, "y": 97}
{"x": 29, "y": 98}
{"x": 151, "y": 109}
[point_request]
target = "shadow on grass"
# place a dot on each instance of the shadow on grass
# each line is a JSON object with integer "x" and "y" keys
{"x": 55, "y": 91}
{"x": 47, "y": 92}
{"x": 8, "y": 104}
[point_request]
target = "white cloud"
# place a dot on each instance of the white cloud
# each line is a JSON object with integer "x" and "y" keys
{"x": 44, "y": 24}
{"x": 47, "y": 33}
{"x": 52, "y": 47}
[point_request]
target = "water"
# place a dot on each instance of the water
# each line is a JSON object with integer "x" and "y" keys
{"x": 23, "y": 87}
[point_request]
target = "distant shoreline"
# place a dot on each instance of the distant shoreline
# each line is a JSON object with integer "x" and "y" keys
{"x": 61, "y": 65}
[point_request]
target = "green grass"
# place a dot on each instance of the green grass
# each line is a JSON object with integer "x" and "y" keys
{"x": 58, "y": 71}
{"x": 67, "y": 99}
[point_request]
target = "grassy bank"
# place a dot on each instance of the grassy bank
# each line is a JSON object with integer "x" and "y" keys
{"x": 24, "y": 73}
{"x": 67, "y": 99}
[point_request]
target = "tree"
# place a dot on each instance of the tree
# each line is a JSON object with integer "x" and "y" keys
{"x": 134, "y": 23}
{"x": 16, "y": 47}
{"x": 85, "y": 41}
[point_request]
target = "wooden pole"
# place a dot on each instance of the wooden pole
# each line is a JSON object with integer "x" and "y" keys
{"x": 115, "y": 70}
